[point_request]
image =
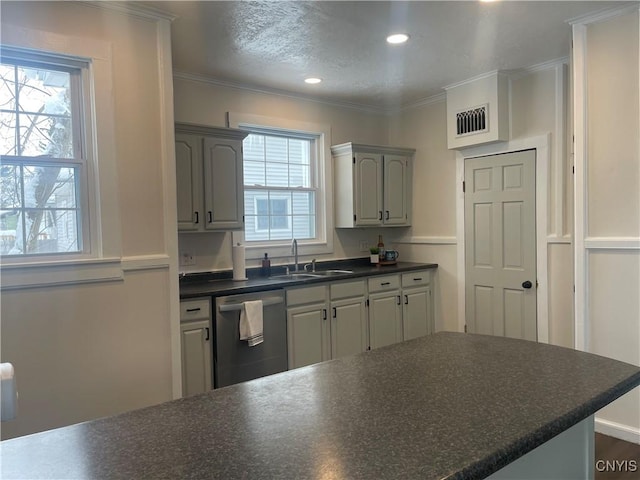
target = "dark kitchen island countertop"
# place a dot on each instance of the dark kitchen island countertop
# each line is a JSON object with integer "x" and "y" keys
{"x": 450, "y": 405}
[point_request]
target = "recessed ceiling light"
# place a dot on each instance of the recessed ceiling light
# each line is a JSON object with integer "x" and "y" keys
{"x": 312, "y": 80}
{"x": 397, "y": 38}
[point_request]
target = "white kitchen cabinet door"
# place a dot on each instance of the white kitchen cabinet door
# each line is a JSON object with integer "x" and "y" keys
{"x": 196, "y": 357}
{"x": 397, "y": 196}
{"x": 223, "y": 184}
{"x": 368, "y": 189}
{"x": 308, "y": 335}
{"x": 416, "y": 312}
{"x": 385, "y": 319}
{"x": 189, "y": 180}
{"x": 348, "y": 327}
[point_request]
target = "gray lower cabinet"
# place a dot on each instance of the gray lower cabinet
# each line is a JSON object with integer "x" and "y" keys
{"x": 336, "y": 319}
{"x": 348, "y": 318}
{"x": 325, "y": 322}
{"x": 417, "y": 307}
{"x": 385, "y": 310}
{"x": 196, "y": 345}
{"x": 308, "y": 330}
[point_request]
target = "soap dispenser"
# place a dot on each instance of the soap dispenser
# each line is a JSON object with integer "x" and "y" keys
{"x": 265, "y": 271}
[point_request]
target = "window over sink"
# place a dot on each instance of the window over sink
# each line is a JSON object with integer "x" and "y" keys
{"x": 287, "y": 194}
{"x": 279, "y": 187}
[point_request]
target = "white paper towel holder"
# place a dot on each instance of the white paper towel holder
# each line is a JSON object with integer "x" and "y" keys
{"x": 239, "y": 265}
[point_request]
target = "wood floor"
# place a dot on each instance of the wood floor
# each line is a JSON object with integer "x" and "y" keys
{"x": 616, "y": 459}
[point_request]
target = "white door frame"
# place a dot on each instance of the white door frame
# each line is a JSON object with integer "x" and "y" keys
{"x": 543, "y": 157}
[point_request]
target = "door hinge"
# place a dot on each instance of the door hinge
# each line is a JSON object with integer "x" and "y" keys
{"x": 573, "y": 170}
{"x": 465, "y": 328}
{"x": 354, "y": 218}
{"x": 463, "y": 187}
{"x": 354, "y": 160}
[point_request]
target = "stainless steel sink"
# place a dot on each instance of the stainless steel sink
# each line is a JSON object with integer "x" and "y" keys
{"x": 328, "y": 273}
{"x": 296, "y": 275}
{"x": 303, "y": 275}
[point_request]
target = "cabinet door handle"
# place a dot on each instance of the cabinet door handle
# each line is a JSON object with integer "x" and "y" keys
{"x": 324, "y": 313}
{"x": 210, "y": 215}
{"x": 386, "y": 215}
{"x": 335, "y": 312}
{"x": 197, "y": 217}
{"x": 207, "y": 337}
{"x": 406, "y": 299}
{"x": 380, "y": 212}
{"x": 399, "y": 300}
{"x": 193, "y": 309}
{"x": 385, "y": 283}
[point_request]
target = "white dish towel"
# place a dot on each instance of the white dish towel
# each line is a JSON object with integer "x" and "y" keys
{"x": 251, "y": 322}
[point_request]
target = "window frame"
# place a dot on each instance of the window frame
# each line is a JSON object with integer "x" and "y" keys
{"x": 104, "y": 262}
{"x": 321, "y": 176}
{"x": 79, "y": 83}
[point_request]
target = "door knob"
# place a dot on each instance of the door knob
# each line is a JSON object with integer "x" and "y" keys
{"x": 527, "y": 284}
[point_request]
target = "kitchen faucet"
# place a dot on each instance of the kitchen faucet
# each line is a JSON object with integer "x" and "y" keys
{"x": 294, "y": 251}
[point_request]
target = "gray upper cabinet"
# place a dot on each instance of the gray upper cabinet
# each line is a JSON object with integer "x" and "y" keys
{"x": 209, "y": 177}
{"x": 372, "y": 185}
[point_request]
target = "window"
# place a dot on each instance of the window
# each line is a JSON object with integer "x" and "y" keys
{"x": 280, "y": 186}
{"x": 43, "y": 165}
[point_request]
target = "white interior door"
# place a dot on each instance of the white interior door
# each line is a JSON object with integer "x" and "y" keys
{"x": 500, "y": 245}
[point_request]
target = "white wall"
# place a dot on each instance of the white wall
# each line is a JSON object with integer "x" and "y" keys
{"x": 89, "y": 350}
{"x": 608, "y": 202}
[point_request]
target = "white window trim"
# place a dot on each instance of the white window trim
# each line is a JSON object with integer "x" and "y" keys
{"x": 324, "y": 242}
{"x": 83, "y": 159}
{"x": 97, "y": 261}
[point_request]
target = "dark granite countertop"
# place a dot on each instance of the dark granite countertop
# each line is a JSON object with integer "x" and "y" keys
{"x": 197, "y": 285}
{"x": 450, "y": 405}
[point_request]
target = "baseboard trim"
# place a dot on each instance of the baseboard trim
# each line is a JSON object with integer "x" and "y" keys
{"x": 617, "y": 430}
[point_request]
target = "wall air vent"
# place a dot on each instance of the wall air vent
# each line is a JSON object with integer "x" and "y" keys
{"x": 478, "y": 111}
{"x": 472, "y": 121}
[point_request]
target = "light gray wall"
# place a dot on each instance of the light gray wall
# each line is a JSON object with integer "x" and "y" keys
{"x": 612, "y": 202}
{"x": 90, "y": 350}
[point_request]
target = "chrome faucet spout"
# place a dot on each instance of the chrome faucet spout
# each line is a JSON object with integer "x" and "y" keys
{"x": 294, "y": 252}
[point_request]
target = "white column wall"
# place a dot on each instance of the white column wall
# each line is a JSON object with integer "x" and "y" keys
{"x": 90, "y": 350}
{"x": 608, "y": 202}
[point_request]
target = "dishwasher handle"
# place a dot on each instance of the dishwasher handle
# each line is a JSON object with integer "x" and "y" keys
{"x": 236, "y": 307}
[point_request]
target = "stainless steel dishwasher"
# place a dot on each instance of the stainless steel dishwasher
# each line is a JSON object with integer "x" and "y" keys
{"x": 234, "y": 360}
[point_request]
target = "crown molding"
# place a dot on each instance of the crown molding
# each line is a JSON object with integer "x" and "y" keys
{"x": 476, "y": 78}
{"x": 604, "y": 14}
{"x": 424, "y": 102}
{"x": 134, "y": 9}
{"x": 550, "y": 64}
{"x": 273, "y": 91}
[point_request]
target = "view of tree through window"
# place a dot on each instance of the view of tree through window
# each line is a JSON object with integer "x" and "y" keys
{"x": 280, "y": 194}
{"x": 39, "y": 166}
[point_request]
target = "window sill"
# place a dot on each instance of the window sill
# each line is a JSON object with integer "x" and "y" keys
{"x": 64, "y": 272}
{"x": 283, "y": 250}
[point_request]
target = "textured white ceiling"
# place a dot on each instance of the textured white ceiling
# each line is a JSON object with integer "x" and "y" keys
{"x": 275, "y": 45}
